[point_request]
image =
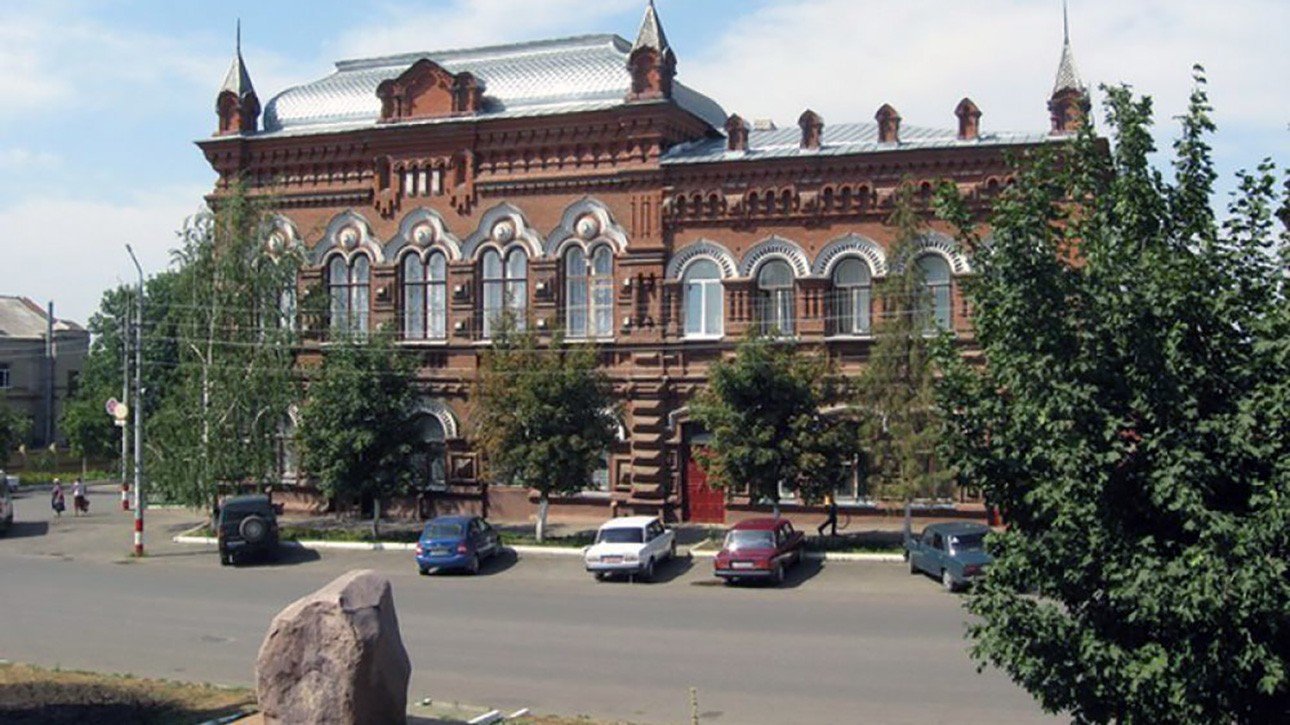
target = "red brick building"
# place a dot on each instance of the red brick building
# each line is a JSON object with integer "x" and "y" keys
{"x": 577, "y": 182}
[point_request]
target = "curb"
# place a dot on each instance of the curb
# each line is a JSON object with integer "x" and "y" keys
{"x": 558, "y": 551}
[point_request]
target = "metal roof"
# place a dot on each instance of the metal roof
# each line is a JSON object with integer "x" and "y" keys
{"x": 837, "y": 140}
{"x": 566, "y": 75}
{"x": 651, "y": 34}
{"x": 20, "y": 318}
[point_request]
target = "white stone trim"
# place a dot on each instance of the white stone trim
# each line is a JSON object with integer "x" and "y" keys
{"x": 347, "y": 233}
{"x": 775, "y": 247}
{"x": 423, "y": 229}
{"x": 586, "y": 222}
{"x": 705, "y": 249}
{"x": 443, "y": 414}
{"x": 945, "y": 247}
{"x": 851, "y": 245}
{"x": 503, "y": 225}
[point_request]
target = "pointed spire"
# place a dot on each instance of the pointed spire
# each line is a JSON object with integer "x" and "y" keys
{"x": 651, "y": 33}
{"x": 1067, "y": 77}
{"x": 238, "y": 80}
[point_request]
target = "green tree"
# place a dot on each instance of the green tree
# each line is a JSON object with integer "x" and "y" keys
{"x": 1133, "y": 422}
{"x": 543, "y": 416}
{"x": 89, "y": 429}
{"x": 899, "y": 424}
{"x": 232, "y": 319}
{"x": 14, "y": 427}
{"x": 356, "y": 434}
{"x": 765, "y": 411}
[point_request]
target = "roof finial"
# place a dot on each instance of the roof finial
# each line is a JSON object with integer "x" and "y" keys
{"x": 1066, "y": 25}
{"x": 651, "y": 33}
{"x": 1067, "y": 76}
{"x": 239, "y": 36}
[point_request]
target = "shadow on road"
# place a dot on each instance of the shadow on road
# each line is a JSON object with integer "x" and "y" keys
{"x": 287, "y": 556}
{"x": 24, "y": 529}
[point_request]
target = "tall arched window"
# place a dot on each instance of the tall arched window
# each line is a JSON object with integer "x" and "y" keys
{"x": 702, "y": 299}
{"x": 936, "y": 275}
{"x": 505, "y": 287}
{"x": 852, "y": 292}
{"x": 425, "y": 297}
{"x": 775, "y": 297}
{"x": 349, "y": 292}
{"x": 428, "y": 458}
{"x": 589, "y": 293}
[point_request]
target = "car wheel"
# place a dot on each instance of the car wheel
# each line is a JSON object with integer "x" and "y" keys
{"x": 648, "y": 573}
{"x": 671, "y": 553}
{"x": 473, "y": 565}
{"x": 779, "y": 574}
{"x": 253, "y": 529}
{"x": 225, "y": 559}
{"x": 913, "y": 568}
{"x": 947, "y": 581}
{"x": 425, "y": 570}
{"x": 599, "y": 575}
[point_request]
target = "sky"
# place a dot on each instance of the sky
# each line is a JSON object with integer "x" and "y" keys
{"x": 104, "y": 98}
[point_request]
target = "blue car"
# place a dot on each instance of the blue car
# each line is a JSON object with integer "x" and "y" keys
{"x": 456, "y": 542}
{"x": 953, "y": 552}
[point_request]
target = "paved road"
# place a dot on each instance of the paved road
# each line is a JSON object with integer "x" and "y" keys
{"x": 841, "y": 642}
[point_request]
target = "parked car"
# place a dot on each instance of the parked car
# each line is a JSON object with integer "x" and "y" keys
{"x": 11, "y": 482}
{"x": 632, "y": 545}
{"x": 759, "y": 549}
{"x": 456, "y": 542}
{"x": 246, "y": 526}
{"x": 6, "y": 510}
{"x": 954, "y": 552}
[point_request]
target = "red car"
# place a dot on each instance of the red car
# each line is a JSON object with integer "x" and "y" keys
{"x": 759, "y": 549}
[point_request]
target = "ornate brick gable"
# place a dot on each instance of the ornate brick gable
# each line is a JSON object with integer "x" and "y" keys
{"x": 428, "y": 90}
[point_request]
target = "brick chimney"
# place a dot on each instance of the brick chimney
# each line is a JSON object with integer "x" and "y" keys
{"x": 888, "y": 124}
{"x": 736, "y": 133}
{"x": 969, "y": 120}
{"x": 812, "y": 129}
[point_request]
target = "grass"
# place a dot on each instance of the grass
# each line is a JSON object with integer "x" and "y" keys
{"x": 41, "y": 478}
{"x": 31, "y": 694}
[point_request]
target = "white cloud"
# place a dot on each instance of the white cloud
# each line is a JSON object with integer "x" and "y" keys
{"x": 72, "y": 249}
{"x": 408, "y": 27}
{"x": 16, "y": 158}
{"x": 844, "y": 59}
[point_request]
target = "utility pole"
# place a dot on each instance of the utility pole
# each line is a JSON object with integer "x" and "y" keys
{"x": 51, "y": 376}
{"x": 123, "y": 332}
{"x": 138, "y": 410}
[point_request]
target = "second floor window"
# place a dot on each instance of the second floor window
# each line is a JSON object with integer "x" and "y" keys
{"x": 936, "y": 276}
{"x": 589, "y": 293}
{"x": 852, "y": 292}
{"x": 775, "y": 297}
{"x": 425, "y": 297}
{"x": 702, "y": 299}
{"x": 349, "y": 294}
{"x": 505, "y": 287}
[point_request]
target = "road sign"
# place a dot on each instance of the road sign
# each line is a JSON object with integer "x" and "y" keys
{"x": 121, "y": 412}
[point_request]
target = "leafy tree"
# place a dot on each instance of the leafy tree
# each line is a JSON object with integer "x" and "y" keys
{"x": 13, "y": 429}
{"x": 355, "y": 433}
{"x": 764, "y": 411}
{"x": 899, "y": 425}
{"x": 232, "y": 319}
{"x": 89, "y": 429}
{"x": 1133, "y": 422}
{"x": 543, "y": 416}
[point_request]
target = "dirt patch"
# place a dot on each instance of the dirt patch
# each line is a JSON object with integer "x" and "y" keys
{"x": 36, "y": 695}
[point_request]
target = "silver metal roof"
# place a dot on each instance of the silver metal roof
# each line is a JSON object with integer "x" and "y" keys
{"x": 838, "y": 139}
{"x": 1067, "y": 77}
{"x": 566, "y": 75}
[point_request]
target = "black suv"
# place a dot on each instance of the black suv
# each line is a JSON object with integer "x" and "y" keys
{"x": 246, "y": 525}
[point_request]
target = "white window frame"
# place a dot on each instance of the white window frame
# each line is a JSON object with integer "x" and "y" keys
{"x": 708, "y": 288}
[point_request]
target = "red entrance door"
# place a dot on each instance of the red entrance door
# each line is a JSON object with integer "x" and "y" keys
{"x": 704, "y": 504}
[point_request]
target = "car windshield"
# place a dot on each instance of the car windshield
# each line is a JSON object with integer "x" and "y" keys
{"x": 444, "y": 531}
{"x": 620, "y": 536}
{"x": 749, "y": 540}
{"x": 967, "y": 542}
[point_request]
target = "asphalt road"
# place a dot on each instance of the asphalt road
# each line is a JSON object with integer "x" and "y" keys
{"x": 841, "y": 642}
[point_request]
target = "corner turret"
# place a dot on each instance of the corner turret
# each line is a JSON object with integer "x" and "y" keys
{"x": 237, "y": 105}
{"x": 1069, "y": 104}
{"x": 651, "y": 62}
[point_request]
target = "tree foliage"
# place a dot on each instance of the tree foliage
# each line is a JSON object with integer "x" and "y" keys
{"x": 543, "y": 416}
{"x": 765, "y": 412}
{"x": 356, "y": 434}
{"x": 900, "y": 426}
{"x": 222, "y": 414}
{"x": 1132, "y": 422}
{"x": 13, "y": 429}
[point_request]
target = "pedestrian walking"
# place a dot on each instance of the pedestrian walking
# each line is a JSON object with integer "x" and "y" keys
{"x": 57, "y": 500}
{"x": 832, "y": 521}
{"x": 80, "y": 503}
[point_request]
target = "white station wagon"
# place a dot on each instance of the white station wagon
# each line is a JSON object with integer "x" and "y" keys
{"x": 630, "y": 545}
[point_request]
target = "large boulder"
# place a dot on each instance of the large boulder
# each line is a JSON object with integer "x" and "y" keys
{"x": 335, "y": 656}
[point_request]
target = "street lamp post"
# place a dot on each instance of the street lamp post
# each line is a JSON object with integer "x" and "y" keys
{"x": 138, "y": 410}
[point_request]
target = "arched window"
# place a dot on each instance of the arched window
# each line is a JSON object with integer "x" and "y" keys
{"x": 428, "y": 460}
{"x": 425, "y": 297}
{"x": 702, "y": 299}
{"x": 349, "y": 292}
{"x": 505, "y": 288}
{"x": 852, "y": 292}
{"x": 775, "y": 297}
{"x": 936, "y": 275}
{"x": 589, "y": 293}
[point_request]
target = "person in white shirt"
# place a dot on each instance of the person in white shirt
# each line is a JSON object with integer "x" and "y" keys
{"x": 80, "y": 504}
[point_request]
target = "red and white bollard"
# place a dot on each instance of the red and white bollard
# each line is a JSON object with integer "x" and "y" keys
{"x": 125, "y": 497}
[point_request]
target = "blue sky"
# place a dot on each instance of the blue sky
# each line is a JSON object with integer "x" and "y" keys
{"x": 104, "y": 97}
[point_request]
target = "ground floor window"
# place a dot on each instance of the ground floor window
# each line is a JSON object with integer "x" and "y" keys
{"x": 429, "y": 458}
